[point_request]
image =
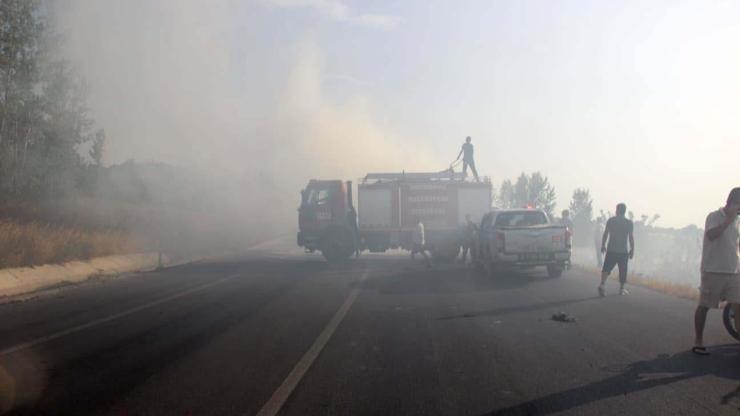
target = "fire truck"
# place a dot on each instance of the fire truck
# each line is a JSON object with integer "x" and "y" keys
{"x": 388, "y": 207}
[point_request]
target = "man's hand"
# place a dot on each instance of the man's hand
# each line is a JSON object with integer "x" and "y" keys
{"x": 632, "y": 254}
{"x": 730, "y": 214}
{"x": 603, "y": 249}
{"x": 730, "y": 217}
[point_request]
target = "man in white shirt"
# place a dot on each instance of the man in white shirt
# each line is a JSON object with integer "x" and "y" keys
{"x": 417, "y": 238}
{"x": 720, "y": 265}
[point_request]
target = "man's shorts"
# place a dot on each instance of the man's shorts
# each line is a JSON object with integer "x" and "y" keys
{"x": 616, "y": 259}
{"x": 716, "y": 287}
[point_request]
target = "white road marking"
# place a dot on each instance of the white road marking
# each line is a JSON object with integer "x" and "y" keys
{"x": 100, "y": 321}
{"x": 281, "y": 395}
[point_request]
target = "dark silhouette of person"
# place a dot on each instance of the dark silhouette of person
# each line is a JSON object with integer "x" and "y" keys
{"x": 467, "y": 154}
{"x": 618, "y": 231}
{"x": 469, "y": 231}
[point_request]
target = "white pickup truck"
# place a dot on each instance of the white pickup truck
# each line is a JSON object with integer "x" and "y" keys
{"x": 522, "y": 238}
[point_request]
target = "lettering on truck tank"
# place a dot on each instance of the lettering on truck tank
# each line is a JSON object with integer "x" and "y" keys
{"x": 429, "y": 198}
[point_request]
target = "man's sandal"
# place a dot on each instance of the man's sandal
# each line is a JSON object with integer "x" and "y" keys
{"x": 700, "y": 351}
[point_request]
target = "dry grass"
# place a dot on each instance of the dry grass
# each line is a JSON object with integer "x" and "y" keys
{"x": 680, "y": 290}
{"x": 34, "y": 243}
{"x": 676, "y": 289}
{"x": 82, "y": 228}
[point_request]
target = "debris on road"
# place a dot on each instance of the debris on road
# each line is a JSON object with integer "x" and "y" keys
{"x": 563, "y": 317}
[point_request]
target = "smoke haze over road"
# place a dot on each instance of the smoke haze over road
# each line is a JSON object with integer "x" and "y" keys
{"x": 631, "y": 101}
{"x": 164, "y": 83}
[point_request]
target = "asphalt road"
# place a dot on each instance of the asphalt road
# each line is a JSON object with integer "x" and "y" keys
{"x": 283, "y": 332}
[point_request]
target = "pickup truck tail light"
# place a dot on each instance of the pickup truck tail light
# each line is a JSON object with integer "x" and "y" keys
{"x": 501, "y": 241}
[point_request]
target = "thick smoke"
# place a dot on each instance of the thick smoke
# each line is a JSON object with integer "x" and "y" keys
{"x": 172, "y": 82}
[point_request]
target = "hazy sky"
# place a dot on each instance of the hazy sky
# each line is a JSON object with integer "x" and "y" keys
{"x": 636, "y": 101}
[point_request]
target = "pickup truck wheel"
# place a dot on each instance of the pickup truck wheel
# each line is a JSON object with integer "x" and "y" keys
{"x": 554, "y": 271}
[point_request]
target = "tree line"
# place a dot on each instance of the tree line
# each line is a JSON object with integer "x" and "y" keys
{"x": 534, "y": 190}
{"x": 48, "y": 144}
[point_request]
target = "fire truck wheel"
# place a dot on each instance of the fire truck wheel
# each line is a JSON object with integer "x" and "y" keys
{"x": 337, "y": 244}
{"x": 555, "y": 271}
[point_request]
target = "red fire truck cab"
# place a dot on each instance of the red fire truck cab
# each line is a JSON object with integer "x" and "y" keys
{"x": 327, "y": 219}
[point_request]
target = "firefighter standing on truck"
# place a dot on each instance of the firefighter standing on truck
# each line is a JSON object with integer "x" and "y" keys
{"x": 467, "y": 153}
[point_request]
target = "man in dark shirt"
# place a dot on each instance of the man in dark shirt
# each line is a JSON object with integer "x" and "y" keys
{"x": 469, "y": 231}
{"x": 467, "y": 153}
{"x": 568, "y": 223}
{"x": 619, "y": 230}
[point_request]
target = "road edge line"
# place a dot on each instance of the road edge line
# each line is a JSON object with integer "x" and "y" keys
{"x": 47, "y": 338}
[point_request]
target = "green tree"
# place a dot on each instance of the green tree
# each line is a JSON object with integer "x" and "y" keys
{"x": 581, "y": 205}
{"x": 529, "y": 190}
{"x": 581, "y": 209}
{"x": 43, "y": 120}
{"x": 521, "y": 191}
{"x": 542, "y": 194}
{"x": 19, "y": 49}
{"x": 96, "y": 150}
{"x": 506, "y": 194}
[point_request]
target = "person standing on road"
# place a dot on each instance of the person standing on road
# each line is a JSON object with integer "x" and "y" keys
{"x": 720, "y": 268}
{"x": 566, "y": 221}
{"x": 468, "y": 238}
{"x": 598, "y": 233}
{"x": 618, "y": 231}
{"x": 419, "y": 242}
{"x": 467, "y": 153}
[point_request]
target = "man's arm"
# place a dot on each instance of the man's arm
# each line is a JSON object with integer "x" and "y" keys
{"x": 632, "y": 244}
{"x": 460, "y": 154}
{"x": 603, "y": 239}
{"x": 715, "y": 232}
